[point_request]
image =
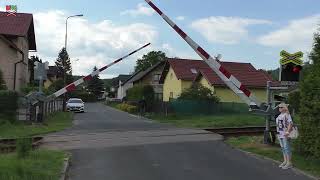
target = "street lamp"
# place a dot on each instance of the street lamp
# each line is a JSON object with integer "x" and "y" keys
{"x": 65, "y": 46}
{"x": 65, "y": 42}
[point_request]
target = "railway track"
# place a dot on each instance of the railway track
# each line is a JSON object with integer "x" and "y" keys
{"x": 9, "y": 145}
{"x": 241, "y": 131}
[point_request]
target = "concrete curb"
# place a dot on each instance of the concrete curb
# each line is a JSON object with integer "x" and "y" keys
{"x": 65, "y": 168}
{"x": 297, "y": 171}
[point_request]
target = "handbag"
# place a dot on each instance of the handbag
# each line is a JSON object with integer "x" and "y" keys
{"x": 293, "y": 133}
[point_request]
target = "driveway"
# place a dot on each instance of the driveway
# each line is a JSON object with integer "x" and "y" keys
{"x": 107, "y": 144}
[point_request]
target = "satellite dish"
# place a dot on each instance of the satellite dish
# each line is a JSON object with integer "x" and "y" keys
{"x": 218, "y": 57}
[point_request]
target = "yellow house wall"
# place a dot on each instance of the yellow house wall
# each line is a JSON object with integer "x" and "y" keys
{"x": 205, "y": 83}
{"x": 226, "y": 95}
{"x": 171, "y": 84}
{"x": 48, "y": 82}
{"x": 185, "y": 85}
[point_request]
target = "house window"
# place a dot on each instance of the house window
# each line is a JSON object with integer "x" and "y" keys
{"x": 194, "y": 71}
{"x": 156, "y": 78}
{"x": 171, "y": 94}
{"x": 171, "y": 76}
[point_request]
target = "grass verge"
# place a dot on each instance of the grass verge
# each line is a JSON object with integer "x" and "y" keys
{"x": 39, "y": 165}
{"x": 56, "y": 122}
{"x": 207, "y": 121}
{"x": 255, "y": 145}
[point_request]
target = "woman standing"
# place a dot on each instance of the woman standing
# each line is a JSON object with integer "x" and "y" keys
{"x": 284, "y": 127}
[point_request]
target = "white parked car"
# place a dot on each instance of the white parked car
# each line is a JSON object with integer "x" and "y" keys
{"x": 75, "y": 104}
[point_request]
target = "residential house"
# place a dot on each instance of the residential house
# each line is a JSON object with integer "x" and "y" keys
{"x": 52, "y": 76}
{"x": 116, "y": 82}
{"x": 150, "y": 76}
{"x": 179, "y": 74}
{"x": 17, "y": 38}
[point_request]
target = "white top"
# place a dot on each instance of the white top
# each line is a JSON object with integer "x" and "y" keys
{"x": 283, "y": 121}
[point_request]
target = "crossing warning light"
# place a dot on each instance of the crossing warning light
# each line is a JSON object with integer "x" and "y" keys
{"x": 290, "y": 72}
{"x": 291, "y": 66}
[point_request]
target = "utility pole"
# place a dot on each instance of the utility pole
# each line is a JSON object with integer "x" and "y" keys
{"x": 63, "y": 62}
{"x": 267, "y": 138}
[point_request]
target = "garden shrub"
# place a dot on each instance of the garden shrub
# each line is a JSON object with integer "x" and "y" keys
{"x": 8, "y": 104}
{"x": 127, "y": 108}
{"x": 199, "y": 93}
{"x": 139, "y": 92}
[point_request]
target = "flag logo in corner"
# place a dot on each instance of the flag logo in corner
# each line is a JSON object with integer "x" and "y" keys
{"x": 11, "y": 9}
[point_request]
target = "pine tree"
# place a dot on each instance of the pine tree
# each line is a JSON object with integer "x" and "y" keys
{"x": 95, "y": 85}
{"x": 2, "y": 82}
{"x": 64, "y": 65}
{"x": 309, "y": 141}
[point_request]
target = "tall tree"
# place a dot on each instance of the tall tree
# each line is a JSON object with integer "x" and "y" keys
{"x": 31, "y": 64}
{"x": 64, "y": 64}
{"x": 149, "y": 60}
{"x": 2, "y": 82}
{"x": 95, "y": 85}
{"x": 309, "y": 141}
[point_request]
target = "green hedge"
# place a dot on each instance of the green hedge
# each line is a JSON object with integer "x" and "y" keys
{"x": 309, "y": 142}
{"x": 8, "y": 104}
{"x": 139, "y": 92}
{"x": 294, "y": 101}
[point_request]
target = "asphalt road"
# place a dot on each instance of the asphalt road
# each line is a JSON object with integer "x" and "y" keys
{"x": 110, "y": 145}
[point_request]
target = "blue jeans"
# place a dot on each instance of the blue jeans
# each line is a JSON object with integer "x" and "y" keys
{"x": 285, "y": 146}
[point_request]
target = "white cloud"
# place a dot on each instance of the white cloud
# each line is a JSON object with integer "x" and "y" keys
{"x": 92, "y": 43}
{"x": 297, "y": 35}
{"x": 141, "y": 9}
{"x": 225, "y": 30}
{"x": 173, "y": 52}
{"x": 2, "y": 9}
{"x": 180, "y": 18}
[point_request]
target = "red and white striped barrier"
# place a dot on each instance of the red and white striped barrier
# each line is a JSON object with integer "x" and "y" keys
{"x": 72, "y": 86}
{"x": 231, "y": 81}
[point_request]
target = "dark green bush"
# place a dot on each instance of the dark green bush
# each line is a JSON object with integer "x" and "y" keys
{"x": 29, "y": 88}
{"x": 199, "y": 93}
{"x": 24, "y": 146}
{"x": 141, "y": 92}
{"x": 8, "y": 104}
{"x": 2, "y": 83}
{"x": 294, "y": 101}
{"x": 309, "y": 142}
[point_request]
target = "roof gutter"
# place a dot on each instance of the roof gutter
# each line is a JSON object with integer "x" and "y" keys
{"x": 12, "y": 45}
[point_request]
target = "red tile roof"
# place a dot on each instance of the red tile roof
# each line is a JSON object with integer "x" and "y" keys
{"x": 19, "y": 25}
{"x": 244, "y": 72}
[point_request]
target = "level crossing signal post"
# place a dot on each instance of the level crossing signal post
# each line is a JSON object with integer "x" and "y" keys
{"x": 289, "y": 76}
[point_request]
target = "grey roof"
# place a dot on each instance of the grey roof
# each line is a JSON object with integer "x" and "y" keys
{"x": 121, "y": 77}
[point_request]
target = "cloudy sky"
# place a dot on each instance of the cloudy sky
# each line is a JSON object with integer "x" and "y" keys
{"x": 240, "y": 30}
